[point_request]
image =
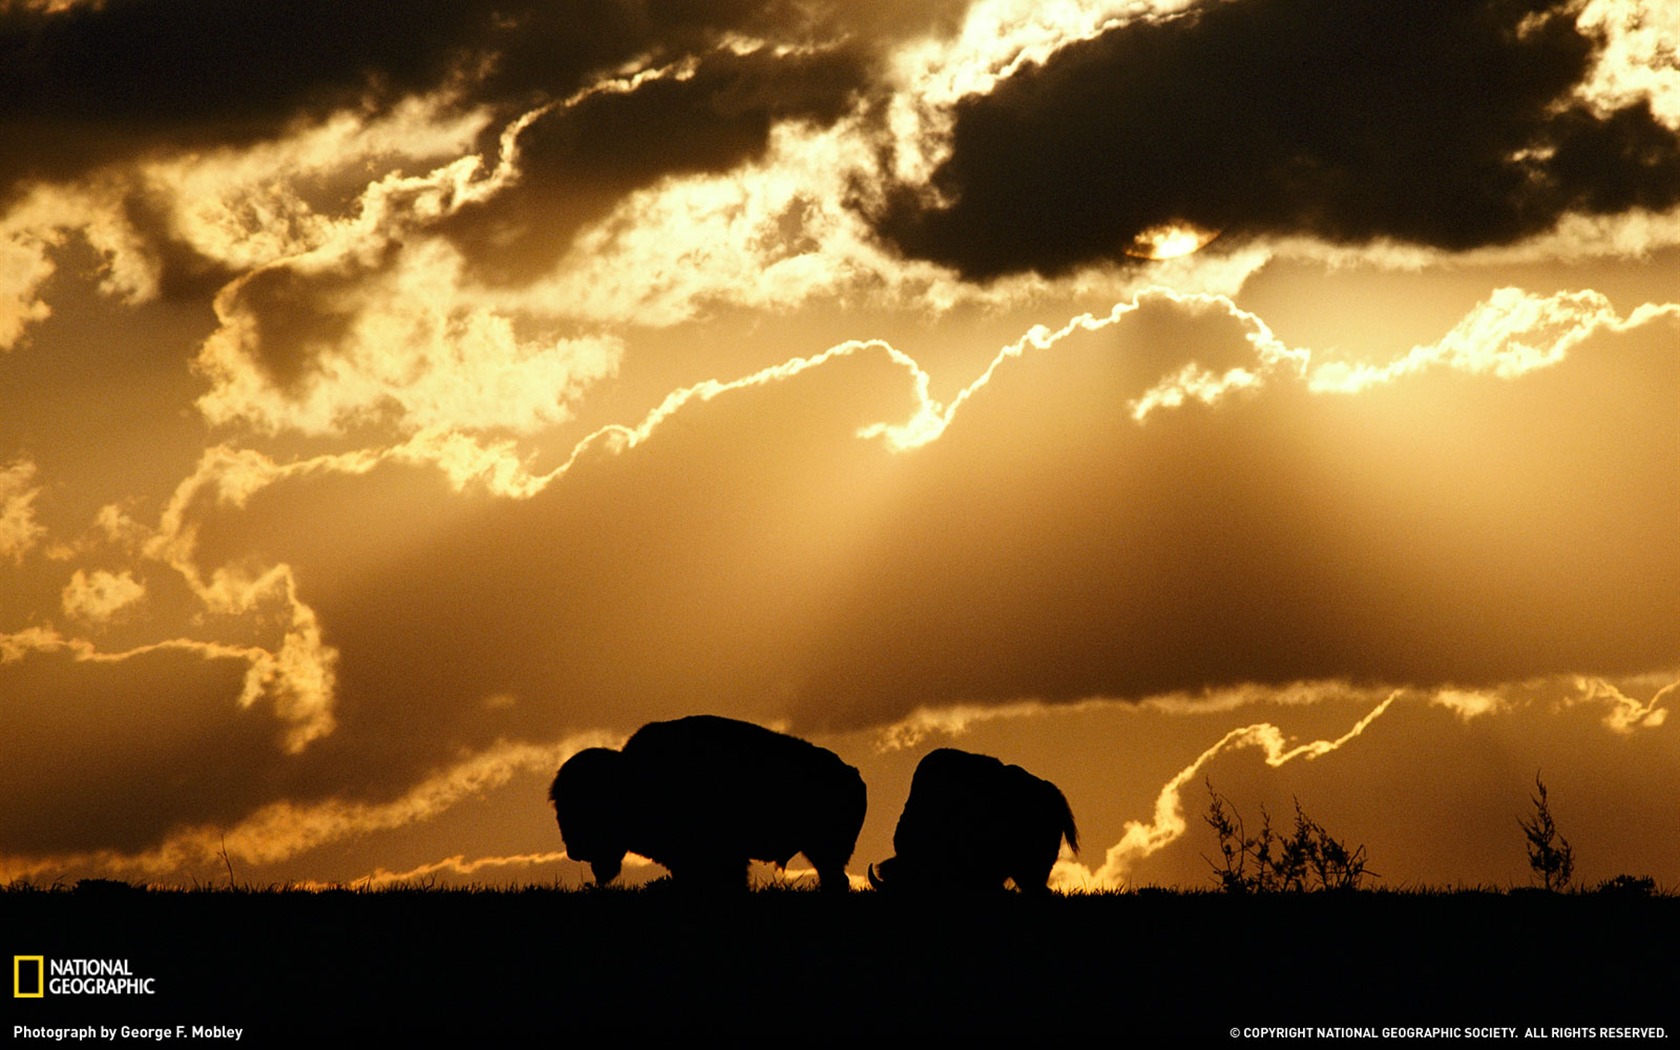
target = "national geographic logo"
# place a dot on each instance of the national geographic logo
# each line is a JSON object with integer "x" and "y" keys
{"x": 29, "y": 976}
{"x": 35, "y": 977}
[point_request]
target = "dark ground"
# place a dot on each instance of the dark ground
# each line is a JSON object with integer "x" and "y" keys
{"x": 292, "y": 968}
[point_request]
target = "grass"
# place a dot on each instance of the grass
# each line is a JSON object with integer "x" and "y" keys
{"x": 492, "y": 962}
{"x": 1617, "y": 886}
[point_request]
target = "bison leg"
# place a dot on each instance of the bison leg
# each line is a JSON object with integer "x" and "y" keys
{"x": 832, "y": 878}
{"x": 831, "y": 868}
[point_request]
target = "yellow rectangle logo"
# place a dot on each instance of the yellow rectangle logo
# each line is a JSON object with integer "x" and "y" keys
{"x": 22, "y": 987}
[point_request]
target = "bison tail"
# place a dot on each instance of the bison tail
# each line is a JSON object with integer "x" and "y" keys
{"x": 1064, "y": 817}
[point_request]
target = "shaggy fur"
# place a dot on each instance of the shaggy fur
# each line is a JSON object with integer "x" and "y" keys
{"x": 703, "y": 796}
{"x": 971, "y": 823}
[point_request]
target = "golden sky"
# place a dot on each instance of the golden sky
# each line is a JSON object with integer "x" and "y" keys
{"x": 1266, "y": 393}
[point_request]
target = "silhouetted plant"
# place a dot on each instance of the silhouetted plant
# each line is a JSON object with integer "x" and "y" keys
{"x": 1231, "y": 870}
{"x": 1334, "y": 865}
{"x": 1550, "y": 856}
{"x": 1629, "y": 886}
{"x": 1308, "y": 859}
{"x": 228, "y": 861}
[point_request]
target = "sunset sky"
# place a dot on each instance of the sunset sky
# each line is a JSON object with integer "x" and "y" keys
{"x": 398, "y": 397}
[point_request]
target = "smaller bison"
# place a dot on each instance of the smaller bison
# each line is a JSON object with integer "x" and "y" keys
{"x": 705, "y": 795}
{"x": 972, "y": 823}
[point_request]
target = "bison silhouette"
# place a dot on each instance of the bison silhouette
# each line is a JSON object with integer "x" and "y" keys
{"x": 704, "y": 795}
{"x": 971, "y": 823}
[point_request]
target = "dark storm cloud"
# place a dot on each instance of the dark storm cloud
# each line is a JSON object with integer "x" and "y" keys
{"x": 1446, "y": 124}
{"x": 576, "y": 163}
{"x": 97, "y": 84}
{"x": 106, "y": 82}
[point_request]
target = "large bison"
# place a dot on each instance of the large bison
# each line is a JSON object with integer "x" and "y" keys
{"x": 971, "y": 823}
{"x": 703, "y": 796}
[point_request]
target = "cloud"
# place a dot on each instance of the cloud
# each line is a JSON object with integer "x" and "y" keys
{"x": 269, "y": 832}
{"x": 104, "y": 83}
{"x": 571, "y": 366}
{"x": 19, "y": 531}
{"x": 39, "y": 224}
{"x": 244, "y": 208}
{"x": 111, "y": 750}
{"x": 100, "y": 85}
{"x": 102, "y": 595}
{"x": 1623, "y": 713}
{"x": 1469, "y": 703}
{"x": 339, "y": 313}
{"x": 297, "y": 677}
{"x": 951, "y": 720}
{"x": 755, "y": 545}
{"x": 710, "y": 164}
{"x": 456, "y": 865}
{"x": 1432, "y": 794}
{"x": 1247, "y": 694}
{"x": 162, "y": 135}
{"x": 24, "y": 266}
{"x": 1510, "y": 333}
{"x": 709, "y": 115}
{"x": 1627, "y": 714}
{"x": 1020, "y": 553}
{"x": 1454, "y": 128}
{"x": 1637, "y": 58}
{"x": 637, "y": 165}
{"x": 408, "y": 346}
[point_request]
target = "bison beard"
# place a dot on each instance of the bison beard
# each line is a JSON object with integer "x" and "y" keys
{"x": 703, "y": 796}
{"x": 971, "y": 823}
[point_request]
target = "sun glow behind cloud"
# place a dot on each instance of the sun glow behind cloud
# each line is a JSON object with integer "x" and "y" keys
{"x": 382, "y": 316}
{"x": 1510, "y": 334}
{"x": 1514, "y": 333}
{"x": 1170, "y": 241}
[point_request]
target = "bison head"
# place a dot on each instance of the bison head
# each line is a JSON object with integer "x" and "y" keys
{"x": 588, "y": 796}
